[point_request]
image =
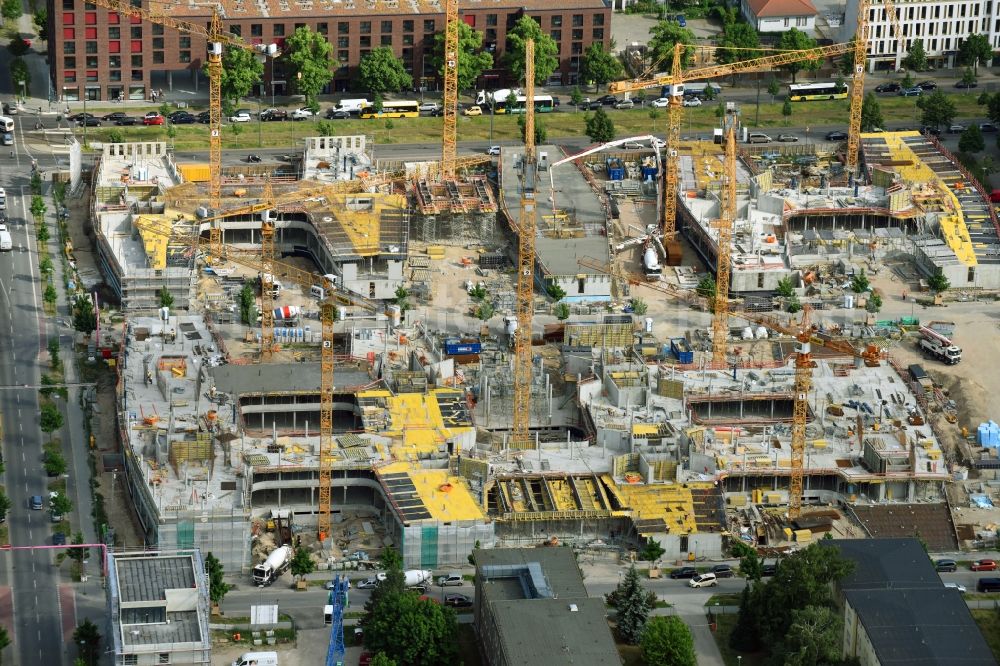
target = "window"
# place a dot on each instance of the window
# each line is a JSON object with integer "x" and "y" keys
{"x": 157, "y": 42}
{"x": 428, "y": 25}
{"x": 69, "y": 62}
{"x": 366, "y": 40}
{"x": 343, "y": 56}
{"x": 67, "y": 4}
{"x": 91, "y": 75}
{"x": 278, "y": 30}
{"x": 491, "y": 19}
{"x": 322, "y": 28}
{"x": 578, "y": 33}
{"x": 91, "y": 47}
{"x": 69, "y": 33}
{"x": 90, "y": 33}
{"x": 130, "y": 660}
{"x": 343, "y": 42}
{"x": 363, "y": 53}
{"x": 184, "y": 42}
{"x": 408, "y": 25}
{"x": 598, "y": 19}
{"x": 69, "y": 19}
{"x": 365, "y": 27}
{"x": 137, "y": 61}
{"x": 598, "y": 34}
{"x": 136, "y": 32}
{"x": 556, "y": 35}
{"x": 557, "y": 21}
{"x": 299, "y": 25}
{"x": 407, "y": 40}
{"x": 115, "y": 74}
{"x": 386, "y": 26}
{"x": 343, "y": 27}
{"x": 91, "y": 61}
{"x": 137, "y": 76}
{"x": 157, "y": 29}
{"x": 407, "y": 54}
{"x": 577, "y": 48}
{"x": 971, "y": 276}
{"x": 90, "y": 18}
{"x": 69, "y": 77}
{"x": 164, "y": 658}
{"x": 69, "y": 48}
{"x": 802, "y": 20}
{"x": 256, "y": 29}
{"x": 491, "y": 35}
{"x": 115, "y": 62}
{"x": 185, "y": 56}
{"x": 135, "y": 46}
{"x": 386, "y": 40}
{"x": 577, "y": 20}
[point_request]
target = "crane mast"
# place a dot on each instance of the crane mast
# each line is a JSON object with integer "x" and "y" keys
{"x": 675, "y": 116}
{"x": 727, "y": 218}
{"x": 521, "y": 438}
{"x": 450, "y": 128}
{"x": 800, "y": 414}
{"x": 857, "y": 88}
{"x": 267, "y": 277}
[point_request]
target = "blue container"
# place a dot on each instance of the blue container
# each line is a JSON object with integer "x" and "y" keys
{"x": 456, "y": 347}
{"x": 680, "y": 348}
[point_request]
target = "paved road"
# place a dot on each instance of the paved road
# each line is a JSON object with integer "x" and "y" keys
{"x": 31, "y": 573}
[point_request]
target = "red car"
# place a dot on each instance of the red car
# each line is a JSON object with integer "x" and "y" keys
{"x": 366, "y": 659}
{"x": 152, "y": 119}
{"x": 984, "y": 565}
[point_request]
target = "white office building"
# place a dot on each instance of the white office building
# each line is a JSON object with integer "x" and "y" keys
{"x": 942, "y": 25}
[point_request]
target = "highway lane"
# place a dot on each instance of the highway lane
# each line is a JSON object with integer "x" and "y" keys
{"x": 34, "y": 579}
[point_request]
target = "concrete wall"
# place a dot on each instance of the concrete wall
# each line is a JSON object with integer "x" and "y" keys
{"x": 595, "y": 287}
{"x": 679, "y": 546}
{"x": 856, "y": 642}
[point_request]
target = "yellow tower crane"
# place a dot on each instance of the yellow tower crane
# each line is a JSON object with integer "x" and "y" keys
{"x": 727, "y": 218}
{"x": 521, "y": 435}
{"x": 450, "y": 130}
{"x": 267, "y": 277}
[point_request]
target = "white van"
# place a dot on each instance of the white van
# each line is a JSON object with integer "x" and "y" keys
{"x": 353, "y": 106}
{"x": 6, "y": 243}
{"x": 703, "y": 580}
{"x": 6, "y": 124}
{"x": 257, "y": 659}
{"x": 758, "y": 137}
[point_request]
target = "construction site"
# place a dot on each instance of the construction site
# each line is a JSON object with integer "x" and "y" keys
{"x": 518, "y": 352}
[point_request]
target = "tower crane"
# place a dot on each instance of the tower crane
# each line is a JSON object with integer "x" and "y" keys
{"x": 338, "y": 599}
{"x": 727, "y": 218}
{"x": 450, "y": 128}
{"x": 525, "y": 262}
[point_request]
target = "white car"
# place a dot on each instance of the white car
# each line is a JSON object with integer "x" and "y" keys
{"x": 429, "y": 106}
{"x": 658, "y": 143}
{"x": 956, "y": 586}
{"x": 493, "y": 150}
{"x": 240, "y": 117}
{"x": 303, "y": 113}
{"x": 692, "y": 101}
{"x": 703, "y": 580}
{"x": 661, "y": 103}
{"x": 632, "y": 145}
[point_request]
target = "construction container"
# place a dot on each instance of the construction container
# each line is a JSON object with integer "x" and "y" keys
{"x": 435, "y": 251}
{"x": 681, "y": 350}
{"x": 616, "y": 169}
{"x": 456, "y": 347}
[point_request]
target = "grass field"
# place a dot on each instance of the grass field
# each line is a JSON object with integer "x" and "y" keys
{"x": 989, "y": 624}
{"x": 721, "y": 635}
{"x": 563, "y": 124}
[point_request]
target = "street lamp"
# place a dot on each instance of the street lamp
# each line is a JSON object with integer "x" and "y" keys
{"x": 259, "y": 141}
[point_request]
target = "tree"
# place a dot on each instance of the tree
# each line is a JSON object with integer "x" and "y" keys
{"x": 654, "y": 115}
{"x": 430, "y": 629}
{"x": 166, "y": 298}
{"x": 975, "y": 49}
{"x": 846, "y": 63}
{"x": 248, "y": 305}
{"x": 638, "y": 306}
{"x": 87, "y": 637}
{"x": 555, "y": 292}
{"x": 785, "y": 287}
{"x": 241, "y": 71}
{"x": 546, "y": 51}
{"x": 41, "y": 20}
{"x": 796, "y": 40}
{"x": 745, "y": 635}
{"x": 50, "y": 295}
{"x": 871, "y": 113}
{"x": 84, "y": 317}
{"x": 380, "y": 659}
{"x": 78, "y": 554}
{"x": 381, "y": 71}
{"x": 634, "y": 604}
{"x": 599, "y": 127}
{"x": 600, "y": 67}
{"x": 741, "y": 41}
{"x": 773, "y": 88}
{"x": 916, "y": 59}
{"x": 11, "y": 9}
{"x": 302, "y": 564}
{"x": 751, "y": 564}
{"x": 576, "y": 97}
{"x": 485, "y": 311}
{"x": 18, "y": 47}
{"x": 651, "y": 551}
{"x": 38, "y": 207}
{"x": 42, "y": 233}
{"x": 50, "y": 418}
{"x": 561, "y": 311}
{"x": 308, "y": 57}
{"x": 667, "y": 641}
{"x": 60, "y": 505}
{"x": 116, "y": 136}
{"x": 968, "y": 78}
{"x": 971, "y": 140}
{"x": 813, "y": 638}
{"x": 478, "y": 293}
{"x": 19, "y": 68}
{"x": 472, "y": 59}
{"x": 984, "y": 98}
{"x": 472, "y": 555}
{"x": 664, "y": 35}
{"x": 859, "y": 283}
{"x": 5, "y": 505}
{"x": 540, "y": 133}
{"x": 786, "y": 108}
{"x": 55, "y": 464}
{"x": 45, "y": 267}
{"x": 874, "y": 303}
{"x": 937, "y": 109}
{"x": 706, "y": 287}
{"x": 938, "y": 282}
{"x": 402, "y": 298}
{"x": 217, "y": 586}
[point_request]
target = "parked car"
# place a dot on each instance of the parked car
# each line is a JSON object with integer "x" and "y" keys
{"x": 451, "y": 578}
{"x": 204, "y": 117}
{"x": 241, "y": 116}
{"x": 77, "y": 117}
{"x": 152, "y": 118}
{"x": 608, "y": 100}
{"x": 493, "y": 150}
{"x": 703, "y": 580}
{"x": 691, "y": 101}
{"x": 723, "y": 571}
{"x": 927, "y": 85}
{"x": 117, "y": 115}
{"x": 472, "y": 111}
{"x": 429, "y": 106}
{"x": 836, "y": 135}
{"x": 911, "y": 92}
{"x": 89, "y": 122}
{"x": 768, "y": 570}
{"x": 457, "y": 601}
{"x": 272, "y": 115}
{"x": 7, "y": 139}
{"x": 946, "y": 566}
{"x": 956, "y": 129}
{"x": 624, "y": 104}
{"x": 58, "y": 539}
{"x": 983, "y": 565}
{"x": 758, "y": 137}
{"x": 887, "y": 88}
{"x": 328, "y": 585}
{"x": 365, "y": 659}
{"x": 368, "y": 583}
{"x": 987, "y": 127}
{"x": 127, "y": 120}
{"x": 684, "y": 572}
{"x": 335, "y": 114}
{"x": 253, "y": 159}
{"x": 302, "y": 113}
{"x": 966, "y": 84}
{"x": 661, "y": 103}
{"x": 681, "y": 21}
{"x": 930, "y": 129}
{"x": 591, "y": 106}
{"x": 955, "y": 586}
{"x": 183, "y": 119}
{"x": 437, "y": 113}
{"x": 787, "y": 138}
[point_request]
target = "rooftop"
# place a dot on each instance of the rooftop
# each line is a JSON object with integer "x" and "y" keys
{"x": 886, "y": 564}
{"x": 777, "y": 8}
{"x": 245, "y": 9}
{"x": 558, "y": 565}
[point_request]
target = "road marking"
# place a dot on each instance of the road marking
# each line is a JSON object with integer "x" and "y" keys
{"x": 23, "y": 459}
{"x": 31, "y": 273}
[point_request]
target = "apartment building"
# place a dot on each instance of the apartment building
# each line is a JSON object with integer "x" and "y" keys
{"x": 942, "y": 25}
{"x": 99, "y": 54}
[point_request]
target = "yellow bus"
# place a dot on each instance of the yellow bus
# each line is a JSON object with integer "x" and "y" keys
{"x": 394, "y": 109}
{"x": 803, "y": 92}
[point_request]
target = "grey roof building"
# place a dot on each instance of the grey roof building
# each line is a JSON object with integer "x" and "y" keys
{"x": 897, "y": 610}
{"x": 532, "y": 609}
{"x": 159, "y": 608}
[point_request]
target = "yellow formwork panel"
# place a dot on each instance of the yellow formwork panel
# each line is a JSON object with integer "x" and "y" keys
{"x": 415, "y": 422}
{"x": 645, "y": 429}
{"x": 362, "y": 223}
{"x": 195, "y": 173}
{"x": 673, "y": 504}
{"x": 562, "y": 495}
{"x": 447, "y": 498}
{"x": 154, "y": 242}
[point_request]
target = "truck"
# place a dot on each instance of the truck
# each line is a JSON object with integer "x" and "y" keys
{"x": 270, "y": 569}
{"x": 482, "y": 97}
{"x": 414, "y": 577}
{"x": 651, "y": 263}
{"x": 680, "y": 348}
{"x": 6, "y": 243}
{"x": 938, "y": 346}
{"x": 352, "y": 106}
{"x": 257, "y": 659}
